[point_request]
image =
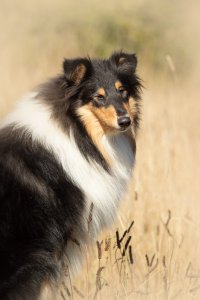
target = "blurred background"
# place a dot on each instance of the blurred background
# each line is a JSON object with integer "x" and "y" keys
{"x": 160, "y": 260}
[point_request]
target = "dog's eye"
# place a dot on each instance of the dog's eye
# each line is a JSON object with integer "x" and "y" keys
{"x": 123, "y": 91}
{"x": 99, "y": 97}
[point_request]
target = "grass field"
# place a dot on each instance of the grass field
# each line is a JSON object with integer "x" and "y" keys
{"x": 163, "y": 203}
{"x": 161, "y": 259}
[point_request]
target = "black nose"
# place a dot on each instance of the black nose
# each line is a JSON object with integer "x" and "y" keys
{"x": 124, "y": 122}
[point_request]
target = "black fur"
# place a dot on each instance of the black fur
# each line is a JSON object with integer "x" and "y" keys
{"x": 40, "y": 206}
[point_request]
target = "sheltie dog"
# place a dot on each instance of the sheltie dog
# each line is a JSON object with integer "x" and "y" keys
{"x": 66, "y": 155}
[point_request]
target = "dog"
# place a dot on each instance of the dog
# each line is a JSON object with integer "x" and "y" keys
{"x": 67, "y": 152}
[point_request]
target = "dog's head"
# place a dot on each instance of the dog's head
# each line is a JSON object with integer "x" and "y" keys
{"x": 105, "y": 92}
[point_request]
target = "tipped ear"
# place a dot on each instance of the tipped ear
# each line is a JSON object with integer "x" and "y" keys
{"x": 124, "y": 62}
{"x": 77, "y": 70}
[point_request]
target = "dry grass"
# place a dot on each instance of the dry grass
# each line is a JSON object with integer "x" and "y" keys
{"x": 163, "y": 202}
{"x": 158, "y": 257}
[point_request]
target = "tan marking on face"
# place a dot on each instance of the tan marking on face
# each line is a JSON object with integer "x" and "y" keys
{"x": 118, "y": 85}
{"x": 107, "y": 117}
{"x": 130, "y": 107}
{"x": 98, "y": 122}
{"x": 101, "y": 92}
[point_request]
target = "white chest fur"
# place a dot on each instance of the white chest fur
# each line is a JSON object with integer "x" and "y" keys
{"x": 101, "y": 189}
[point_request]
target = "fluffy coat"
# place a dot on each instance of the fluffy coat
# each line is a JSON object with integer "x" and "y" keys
{"x": 66, "y": 155}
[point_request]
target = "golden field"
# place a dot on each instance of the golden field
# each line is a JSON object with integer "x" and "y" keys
{"x": 164, "y": 195}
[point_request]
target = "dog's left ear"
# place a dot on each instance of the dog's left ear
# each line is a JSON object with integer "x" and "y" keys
{"x": 77, "y": 70}
{"x": 124, "y": 62}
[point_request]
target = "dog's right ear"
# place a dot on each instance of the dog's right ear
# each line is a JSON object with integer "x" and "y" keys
{"x": 124, "y": 62}
{"x": 77, "y": 70}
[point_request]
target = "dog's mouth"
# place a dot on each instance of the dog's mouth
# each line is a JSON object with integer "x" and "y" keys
{"x": 123, "y": 129}
{"x": 118, "y": 130}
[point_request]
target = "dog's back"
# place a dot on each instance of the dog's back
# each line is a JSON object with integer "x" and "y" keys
{"x": 38, "y": 209}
